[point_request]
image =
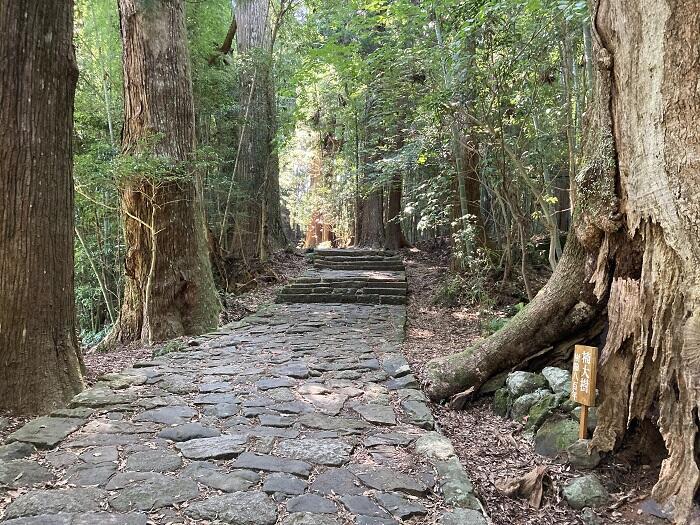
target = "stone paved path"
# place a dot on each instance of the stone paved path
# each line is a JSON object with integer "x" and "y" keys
{"x": 303, "y": 414}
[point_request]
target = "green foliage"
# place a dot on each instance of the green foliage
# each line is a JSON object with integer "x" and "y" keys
{"x": 464, "y": 290}
{"x": 368, "y": 92}
{"x": 495, "y": 323}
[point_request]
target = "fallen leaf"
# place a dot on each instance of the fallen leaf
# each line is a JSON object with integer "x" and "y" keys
{"x": 528, "y": 486}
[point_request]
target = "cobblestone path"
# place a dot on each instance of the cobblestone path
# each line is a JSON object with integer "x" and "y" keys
{"x": 303, "y": 414}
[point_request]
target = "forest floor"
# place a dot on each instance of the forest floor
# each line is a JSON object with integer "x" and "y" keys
{"x": 494, "y": 449}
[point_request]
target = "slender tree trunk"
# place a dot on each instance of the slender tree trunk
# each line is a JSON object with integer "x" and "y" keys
{"x": 633, "y": 257}
{"x": 314, "y": 230}
{"x": 394, "y": 237}
{"x": 169, "y": 289}
{"x": 371, "y": 208}
{"x": 40, "y": 364}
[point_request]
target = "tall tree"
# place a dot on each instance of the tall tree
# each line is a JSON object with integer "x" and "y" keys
{"x": 169, "y": 289}
{"x": 370, "y": 204}
{"x": 40, "y": 365}
{"x": 258, "y": 224}
{"x": 633, "y": 259}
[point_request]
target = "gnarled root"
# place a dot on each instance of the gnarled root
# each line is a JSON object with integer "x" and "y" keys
{"x": 561, "y": 309}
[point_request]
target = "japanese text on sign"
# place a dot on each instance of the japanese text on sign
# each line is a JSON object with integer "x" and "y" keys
{"x": 583, "y": 375}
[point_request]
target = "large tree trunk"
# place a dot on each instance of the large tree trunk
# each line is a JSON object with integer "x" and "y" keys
{"x": 169, "y": 289}
{"x": 635, "y": 244}
{"x": 371, "y": 233}
{"x": 258, "y": 224}
{"x": 40, "y": 365}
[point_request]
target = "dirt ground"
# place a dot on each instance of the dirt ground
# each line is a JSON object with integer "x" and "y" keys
{"x": 494, "y": 449}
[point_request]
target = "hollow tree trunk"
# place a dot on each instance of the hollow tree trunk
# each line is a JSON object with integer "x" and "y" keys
{"x": 635, "y": 232}
{"x": 40, "y": 365}
{"x": 169, "y": 289}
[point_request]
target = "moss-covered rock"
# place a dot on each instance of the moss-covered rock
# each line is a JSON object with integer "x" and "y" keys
{"x": 540, "y": 412}
{"x": 555, "y": 436}
{"x": 521, "y": 406}
{"x": 586, "y": 491}
{"x": 579, "y": 456}
{"x": 502, "y": 401}
{"x": 492, "y": 385}
{"x": 559, "y": 380}
{"x": 521, "y": 383}
{"x": 592, "y": 417}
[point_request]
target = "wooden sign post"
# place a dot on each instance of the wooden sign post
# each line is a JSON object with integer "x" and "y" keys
{"x": 583, "y": 382}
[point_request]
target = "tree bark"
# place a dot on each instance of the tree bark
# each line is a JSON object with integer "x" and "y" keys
{"x": 372, "y": 220}
{"x": 394, "y": 237}
{"x": 258, "y": 225}
{"x": 169, "y": 289}
{"x": 40, "y": 364}
{"x": 635, "y": 244}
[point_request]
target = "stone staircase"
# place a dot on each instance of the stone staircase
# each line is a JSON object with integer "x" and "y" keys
{"x": 350, "y": 276}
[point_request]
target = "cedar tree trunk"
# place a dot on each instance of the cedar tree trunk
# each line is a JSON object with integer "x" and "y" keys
{"x": 258, "y": 225}
{"x": 40, "y": 364}
{"x": 395, "y": 238}
{"x": 169, "y": 289}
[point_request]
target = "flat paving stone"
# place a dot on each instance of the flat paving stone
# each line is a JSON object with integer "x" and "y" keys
{"x": 23, "y": 473}
{"x": 188, "y": 431}
{"x": 332, "y": 452}
{"x": 16, "y": 450}
{"x": 311, "y": 503}
{"x": 363, "y": 506}
{"x": 239, "y": 508}
{"x": 168, "y": 415}
{"x": 310, "y": 518}
{"x": 88, "y": 518}
{"x": 71, "y": 500}
{"x": 90, "y": 475}
{"x": 284, "y": 483}
{"x": 220, "y": 447}
{"x": 153, "y": 493}
{"x": 399, "y": 506}
{"x": 337, "y": 481}
{"x": 300, "y": 409}
{"x": 390, "y": 480}
{"x": 268, "y": 463}
{"x": 46, "y": 432}
{"x": 213, "y": 476}
{"x": 377, "y": 414}
{"x": 156, "y": 460}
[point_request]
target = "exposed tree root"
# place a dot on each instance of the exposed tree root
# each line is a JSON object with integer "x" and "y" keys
{"x": 564, "y": 307}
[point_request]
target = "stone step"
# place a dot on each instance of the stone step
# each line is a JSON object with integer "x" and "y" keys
{"x": 350, "y": 276}
{"x": 337, "y": 292}
{"x": 326, "y": 298}
{"x": 364, "y": 259}
{"x": 377, "y": 265}
{"x": 389, "y": 281}
{"x": 353, "y": 252}
{"x": 348, "y": 284}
